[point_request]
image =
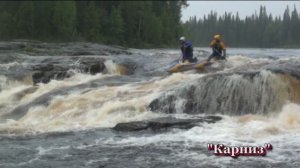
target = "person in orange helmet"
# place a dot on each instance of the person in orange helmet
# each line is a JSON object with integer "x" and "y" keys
{"x": 218, "y": 48}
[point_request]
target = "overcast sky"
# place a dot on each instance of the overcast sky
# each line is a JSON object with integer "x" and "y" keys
{"x": 245, "y": 8}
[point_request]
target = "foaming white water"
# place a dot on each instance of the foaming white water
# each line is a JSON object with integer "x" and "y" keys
{"x": 247, "y": 130}
{"x": 6, "y": 83}
{"x": 8, "y": 96}
{"x": 18, "y": 93}
{"x": 77, "y": 78}
{"x": 282, "y": 130}
{"x": 290, "y": 58}
{"x": 240, "y": 60}
{"x": 101, "y": 107}
{"x": 3, "y": 81}
{"x": 81, "y": 112}
{"x": 111, "y": 67}
{"x": 11, "y": 65}
{"x": 11, "y": 91}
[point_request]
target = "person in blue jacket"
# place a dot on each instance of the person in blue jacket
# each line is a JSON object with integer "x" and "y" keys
{"x": 186, "y": 50}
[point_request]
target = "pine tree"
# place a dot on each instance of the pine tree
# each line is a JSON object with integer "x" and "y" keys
{"x": 64, "y": 17}
{"x": 116, "y": 26}
{"x": 24, "y": 20}
{"x": 89, "y": 21}
{"x": 294, "y": 27}
{"x": 43, "y": 27}
{"x": 257, "y": 30}
{"x": 285, "y": 31}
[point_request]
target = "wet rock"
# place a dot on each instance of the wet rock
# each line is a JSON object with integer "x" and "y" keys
{"x": 292, "y": 67}
{"x": 225, "y": 93}
{"x": 44, "y": 72}
{"x": 56, "y": 60}
{"x": 166, "y": 105}
{"x": 79, "y": 53}
{"x": 130, "y": 66}
{"x": 92, "y": 65}
{"x": 46, "y": 76}
{"x": 165, "y": 123}
{"x": 96, "y": 68}
{"x": 59, "y": 70}
{"x": 43, "y": 67}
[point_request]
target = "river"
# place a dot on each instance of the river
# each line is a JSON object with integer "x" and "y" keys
{"x": 88, "y": 105}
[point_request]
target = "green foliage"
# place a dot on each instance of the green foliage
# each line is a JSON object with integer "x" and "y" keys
{"x": 130, "y": 23}
{"x": 24, "y": 20}
{"x": 64, "y": 15}
{"x": 153, "y": 28}
{"x": 258, "y": 30}
{"x": 6, "y": 25}
{"x": 89, "y": 21}
{"x": 43, "y": 27}
{"x": 116, "y": 26}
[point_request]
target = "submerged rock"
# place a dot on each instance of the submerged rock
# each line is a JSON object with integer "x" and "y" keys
{"x": 165, "y": 123}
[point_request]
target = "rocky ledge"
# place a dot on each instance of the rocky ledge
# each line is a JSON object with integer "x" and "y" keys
{"x": 47, "y": 61}
{"x": 33, "y": 48}
{"x": 165, "y": 123}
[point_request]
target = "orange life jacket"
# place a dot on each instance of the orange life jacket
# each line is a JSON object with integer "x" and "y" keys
{"x": 219, "y": 45}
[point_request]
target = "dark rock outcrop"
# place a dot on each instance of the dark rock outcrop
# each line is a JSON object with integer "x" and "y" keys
{"x": 231, "y": 93}
{"x": 47, "y": 61}
{"x": 165, "y": 123}
{"x": 130, "y": 65}
{"x": 92, "y": 65}
{"x": 46, "y": 76}
{"x": 291, "y": 68}
{"x": 53, "y": 69}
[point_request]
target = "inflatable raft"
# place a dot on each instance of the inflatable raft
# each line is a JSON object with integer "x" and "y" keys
{"x": 177, "y": 66}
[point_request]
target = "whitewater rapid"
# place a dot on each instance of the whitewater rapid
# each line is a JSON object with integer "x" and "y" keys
{"x": 103, "y": 106}
{"x": 257, "y": 106}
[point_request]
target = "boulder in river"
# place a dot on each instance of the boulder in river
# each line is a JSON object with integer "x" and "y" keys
{"x": 165, "y": 123}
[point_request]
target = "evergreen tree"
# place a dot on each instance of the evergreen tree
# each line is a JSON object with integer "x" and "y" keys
{"x": 64, "y": 15}
{"x": 285, "y": 31}
{"x": 294, "y": 26}
{"x": 142, "y": 23}
{"x": 6, "y": 25}
{"x": 24, "y": 20}
{"x": 116, "y": 26}
{"x": 153, "y": 29}
{"x": 43, "y": 27}
{"x": 257, "y": 30}
{"x": 89, "y": 21}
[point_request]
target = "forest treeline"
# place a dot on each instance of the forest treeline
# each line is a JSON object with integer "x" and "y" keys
{"x": 258, "y": 30}
{"x": 129, "y": 23}
{"x": 142, "y": 24}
